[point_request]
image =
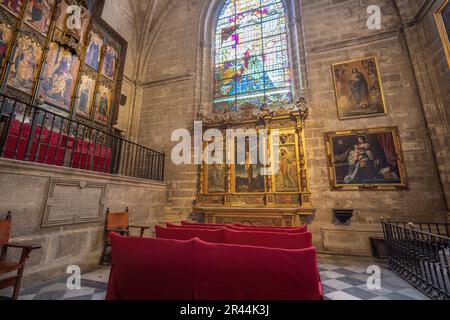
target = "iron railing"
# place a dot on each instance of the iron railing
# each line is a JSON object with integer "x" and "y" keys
{"x": 36, "y": 134}
{"x": 420, "y": 254}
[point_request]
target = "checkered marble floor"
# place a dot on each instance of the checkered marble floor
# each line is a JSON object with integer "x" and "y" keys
{"x": 343, "y": 278}
{"x": 93, "y": 287}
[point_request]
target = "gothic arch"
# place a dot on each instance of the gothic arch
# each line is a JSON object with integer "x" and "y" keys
{"x": 205, "y": 56}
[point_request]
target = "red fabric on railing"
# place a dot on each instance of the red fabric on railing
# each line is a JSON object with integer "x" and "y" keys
{"x": 268, "y": 229}
{"x": 185, "y": 223}
{"x": 193, "y": 226}
{"x": 269, "y": 239}
{"x": 213, "y": 236}
{"x": 251, "y": 238}
{"x": 240, "y": 225}
{"x": 51, "y": 146}
{"x": 157, "y": 269}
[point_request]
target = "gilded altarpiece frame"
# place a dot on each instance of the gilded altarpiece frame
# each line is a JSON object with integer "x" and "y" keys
{"x": 284, "y": 199}
{"x": 42, "y": 60}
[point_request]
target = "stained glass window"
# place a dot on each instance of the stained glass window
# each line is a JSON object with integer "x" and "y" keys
{"x": 252, "y": 67}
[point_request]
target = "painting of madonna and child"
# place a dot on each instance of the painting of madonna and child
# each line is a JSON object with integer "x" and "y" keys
{"x": 358, "y": 89}
{"x": 366, "y": 159}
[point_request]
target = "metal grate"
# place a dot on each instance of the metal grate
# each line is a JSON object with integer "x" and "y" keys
{"x": 420, "y": 254}
{"x": 35, "y": 134}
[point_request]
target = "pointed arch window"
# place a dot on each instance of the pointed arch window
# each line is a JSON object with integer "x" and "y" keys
{"x": 252, "y": 63}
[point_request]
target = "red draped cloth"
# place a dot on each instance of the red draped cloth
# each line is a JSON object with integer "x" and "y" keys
{"x": 50, "y": 147}
{"x": 159, "y": 269}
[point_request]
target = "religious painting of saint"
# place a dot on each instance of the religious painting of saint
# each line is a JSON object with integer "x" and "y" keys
{"x": 85, "y": 95}
{"x": 59, "y": 77}
{"x": 217, "y": 176}
{"x": 109, "y": 62}
{"x": 443, "y": 21}
{"x": 38, "y": 14}
{"x": 103, "y": 103}
{"x": 25, "y": 66}
{"x": 93, "y": 51}
{"x": 286, "y": 180}
{"x": 249, "y": 178}
{"x": 217, "y": 173}
{"x": 358, "y": 89}
{"x": 13, "y": 6}
{"x": 5, "y": 39}
{"x": 366, "y": 159}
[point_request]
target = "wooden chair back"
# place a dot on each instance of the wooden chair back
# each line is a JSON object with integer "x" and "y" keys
{"x": 5, "y": 229}
{"x": 117, "y": 220}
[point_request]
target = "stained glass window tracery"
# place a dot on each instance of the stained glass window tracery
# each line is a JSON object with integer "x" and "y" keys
{"x": 252, "y": 66}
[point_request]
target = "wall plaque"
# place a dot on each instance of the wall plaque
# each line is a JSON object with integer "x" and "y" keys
{"x": 74, "y": 202}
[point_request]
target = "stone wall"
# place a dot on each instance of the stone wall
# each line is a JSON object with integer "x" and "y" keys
{"x": 23, "y": 190}
{"x": 332, "y": 31}
{"x": 129, "y": 18}
{"x": 433, "y": 77}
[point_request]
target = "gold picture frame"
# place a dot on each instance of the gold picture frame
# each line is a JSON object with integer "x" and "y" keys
{"x": 358, "y": 89}
{"x": 444, "y": 27}
{"x": 366, "y": 159}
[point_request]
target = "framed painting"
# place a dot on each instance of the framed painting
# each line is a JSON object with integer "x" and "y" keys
{"x": 85, "y": 95}
{"x": 13, "y": 6}
{"x": 25, "y": 67}
{"x": 6, "y": 35}
{"x": 443, "y": 21}
{"x": 358, "y": 89}
{"x": 103, "y": 103}
{"x": 287, "y": 179}
{"x": 93, "y": 51}
{"x": 59, "y": 76}
{"x": 367, "y": 159}
{"x": 109, "y": 62}
{"x": 38, "y": 14}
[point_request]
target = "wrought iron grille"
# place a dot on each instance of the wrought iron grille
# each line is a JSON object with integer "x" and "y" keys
{"x": 420, "y": 254}
{"x": 36, "y": 134}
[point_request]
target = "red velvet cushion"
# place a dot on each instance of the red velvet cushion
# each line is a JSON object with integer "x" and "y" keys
{"x": 248, "y": 238}
{"x": 194, "y": 226}
{"x": 227, "y": 272}
{"x": 269, "y": 239}
{"x": 185, "y": 223}
{"x": 268, "y": 229}
{"x": 151, "y": 269}
{"x": 241, "y": 225}
{"x": 156, "y": 269}
{"x": 213, "y": 236}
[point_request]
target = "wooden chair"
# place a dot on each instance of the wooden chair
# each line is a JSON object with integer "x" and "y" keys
{"x": 7, "y": 267}
{"x": 118, "y": 222}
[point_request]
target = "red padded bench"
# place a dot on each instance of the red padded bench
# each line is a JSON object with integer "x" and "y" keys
{"x": 159, "y": 269}
{"x": 240, "y": 228}
{"x": 250, "y": 238}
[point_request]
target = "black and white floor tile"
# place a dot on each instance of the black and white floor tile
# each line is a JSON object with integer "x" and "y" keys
{"x": 343, "y": 278}
{"x": 347, "y": 278}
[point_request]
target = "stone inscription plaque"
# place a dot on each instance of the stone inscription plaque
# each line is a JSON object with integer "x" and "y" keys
{"x": 74, "y": 202}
